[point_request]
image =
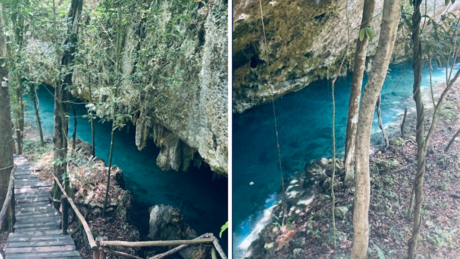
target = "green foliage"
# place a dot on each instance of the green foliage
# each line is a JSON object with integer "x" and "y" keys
{"x": 379, "y": 252}
{"x": 223, "y": 228}
{"x": 367, "y": 31}
{"x": 399, "y": 142}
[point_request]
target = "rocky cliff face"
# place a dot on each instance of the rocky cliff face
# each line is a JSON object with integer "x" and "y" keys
{"x": 174, "y": 66}
{"x": 306, "y": 42}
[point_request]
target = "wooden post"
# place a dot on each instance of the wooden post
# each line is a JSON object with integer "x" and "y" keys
{"x": 65, "y": 214}
{"x": 101, "y": 251}
{"x": 12, "y": 209}
{"x": 96, "y": 250}
{"x": 18, "y": 135}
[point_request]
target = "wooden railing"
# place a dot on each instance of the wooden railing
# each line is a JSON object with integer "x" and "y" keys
{"x": 100, "y": 245}
{"x": 8, "y": 205}
{"x": 67, "y": 200}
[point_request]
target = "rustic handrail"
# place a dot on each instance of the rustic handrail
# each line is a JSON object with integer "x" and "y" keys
{"x": 98, "y": 245}
{"x": 156, "y": 243}
{"x": 206, "y": 238}
{"x": 92, "y": 242}
{"x": 8, "y": 199}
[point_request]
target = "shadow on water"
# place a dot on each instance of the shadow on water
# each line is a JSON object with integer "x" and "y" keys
{"x": 202, "y": 200}
{"x": 305, "y": 133}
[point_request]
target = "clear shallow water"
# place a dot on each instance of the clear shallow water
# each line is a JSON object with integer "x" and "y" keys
{"x": 304, "y": 126}
{"x": 202, "y": 201}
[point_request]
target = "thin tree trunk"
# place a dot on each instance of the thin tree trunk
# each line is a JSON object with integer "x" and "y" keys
{"x": 93, "y": 140}
{"x": 355, "y": 93}
{"x": 452, "y": 141}
{"x": 61, "y": 109}
{"x": 20, "y": 111}
{"x": 6, "y": 133}
{"x": 420, "y": 135}
{"x": 423, "y": 142}
{"x": 403, "y": 121}
{"x": 388, "y": 31}
{"x": 74, "y": 135}
{"x": 379, "y": 115}
{"x": 36, "y": 102}
{"x": 110, "y": 169}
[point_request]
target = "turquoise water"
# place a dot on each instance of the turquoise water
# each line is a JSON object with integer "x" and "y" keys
{"x": 304, "y": 126}
{"x": 202, "y": 201}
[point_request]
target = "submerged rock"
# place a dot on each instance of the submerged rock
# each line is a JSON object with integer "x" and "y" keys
{"x": 167, "y": 223}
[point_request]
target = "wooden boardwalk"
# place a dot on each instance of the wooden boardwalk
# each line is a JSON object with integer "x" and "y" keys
{"x": 37, "y": 232}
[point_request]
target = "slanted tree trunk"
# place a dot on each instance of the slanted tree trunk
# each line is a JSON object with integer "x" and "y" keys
{"x": 452, "y": 141}
{"x": 6, "y": 133}
{"x": 36, "y": 102}
{"x": 388, "y": 31}
{"x": 355, "y": 93}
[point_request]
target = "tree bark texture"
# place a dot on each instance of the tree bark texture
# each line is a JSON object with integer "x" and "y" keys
{"x": 355, "y": 93}
{"x": 61, "y": 106}
{"x": 420, "y": 128}
{"x": 6, "y": 132}
{"x": 388, "y": 31}
{"x": 379, "y": 114}
{"x": 36, "y": 102}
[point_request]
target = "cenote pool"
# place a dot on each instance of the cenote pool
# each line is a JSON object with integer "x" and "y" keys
{"x": 202, "y": 201}
{"x": 304, "y": 126}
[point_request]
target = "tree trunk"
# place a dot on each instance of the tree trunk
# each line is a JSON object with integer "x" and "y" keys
{"x": 61, "y": 106}
{"x": 93, "y": 140}
{"x": 110, "y": 169}
{"x": 355, "y": 93}
{"x": 452, "y": 141}
{"x": 36, "y": 102}
{"x": 6, "y": 133}
{"x": 417, "y": 95}
{"x": 422, "y": 141}
{"x": 420, "y": 135}
{"x": 74, "y": 135}
{"x": 379, "y": 115}
{"x": 388, "y": 31}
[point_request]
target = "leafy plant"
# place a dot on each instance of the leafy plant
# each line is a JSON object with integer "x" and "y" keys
{"x": 379, "y": 252}
{"x": 223, "y": 228}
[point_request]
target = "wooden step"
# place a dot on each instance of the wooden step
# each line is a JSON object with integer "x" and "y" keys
{"x": 35, "y": 249}
{"x": 61, "y": 254}
{"x": 37, "y": 229}
{"x": 32, "y": 200}
{"x": 31, "y": 190}
{"x": 40, "y": 232}
{"x": 34, "y": 184}
{"x": 16, "y": 237}
{"x": 36, "y": 215}
{"x": 49, "y": 223}
{"x": 62, "y": 242}
{"x": 37, "y": 219}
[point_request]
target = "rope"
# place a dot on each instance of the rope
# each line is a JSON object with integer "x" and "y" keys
{"x": 274, "y": 116}
{"x": 8, "y": 167}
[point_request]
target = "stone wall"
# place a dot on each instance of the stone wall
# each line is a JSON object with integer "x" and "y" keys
{"x": 306, "y": 40}
{"x": 174, "y": 61}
